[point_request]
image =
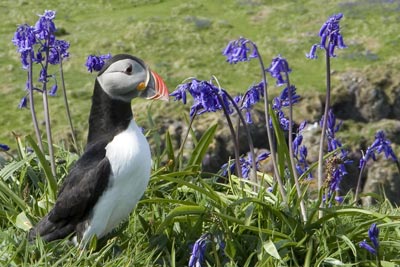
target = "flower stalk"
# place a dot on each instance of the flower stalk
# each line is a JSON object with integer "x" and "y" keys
{"x": 324, "y": 126}
{"x": 269, "y": 132}
{"x": 47, "y": 118}
{"x": 64, "y": 91}
{"x": 330, "y": 39}
{"x": 32, "y": 104}
{"x": 291, "y": 153}
{"x": 253, "y": 173}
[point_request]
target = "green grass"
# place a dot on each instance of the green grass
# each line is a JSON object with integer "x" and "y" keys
{"x": 181, "y": 39}
{"x": 181, "y": 204}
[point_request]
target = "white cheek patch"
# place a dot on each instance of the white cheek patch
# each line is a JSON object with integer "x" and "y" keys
{"x": 121, "y": 85}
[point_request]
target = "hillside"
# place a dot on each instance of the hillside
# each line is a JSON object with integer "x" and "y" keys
{"x": 181, "y": 39}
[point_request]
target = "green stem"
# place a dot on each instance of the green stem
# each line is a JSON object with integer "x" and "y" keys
{"x": 291, "y": 154}
{"x": 253, "y": 173}
{"x": 378, "y": 260}
{"x": 32, "y": 105}
{"x": 358, "y": 187}
{"x": 67, "y": 105}
{"x": 47, "y": 119}
{"x": 180, "y": 153}
{"x": 269, "y": 133}
{"x": 324, "y": 124}
{"x": 232, "y": 130}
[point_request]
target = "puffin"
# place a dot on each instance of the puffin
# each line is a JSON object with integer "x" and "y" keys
{"x": 110, "y": 177}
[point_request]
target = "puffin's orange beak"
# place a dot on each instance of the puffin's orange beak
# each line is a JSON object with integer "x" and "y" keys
{"x": 160, "y": 89}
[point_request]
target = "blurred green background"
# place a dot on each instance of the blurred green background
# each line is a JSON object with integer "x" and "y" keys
{"x": 181, "y": 39}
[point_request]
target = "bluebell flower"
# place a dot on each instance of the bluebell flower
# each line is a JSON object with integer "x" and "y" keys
{"x": 296, "y": 143}
{"x": 373, "y": 234}
{"x": 237, "y": 50}
{"x": 252, "y": 96}
{"x": 58, "y": 51}
{"x": 300, "y": 151}
{"x": 45, "y": 27}
{"x": 331, "y": 129}
{"x": 23, "y": 102}
{"x": 207, "y": 97}
{"x": 245, "y": 164}
{"x": 380, "y": 144}
{"x": 365, "y": 245}
{"x": 4, "y": 147}
{"x": 279, "y": 66}
{"x": 24, "y": 39}
{"x": 302, "y": 164}
{"x": 198, "y": 251}
{"x": 283, "y": 121}
{"x": 43, "y": 77}
{"x": 313, "y": 52}
{"x": 330, "y": 37}
{"x": 96, "y": 63}
{"x": 283, "y": 101}
{"x": 53, "y": 90}
{"x": 339, "y": 199}
{"x": 180, "y": 92}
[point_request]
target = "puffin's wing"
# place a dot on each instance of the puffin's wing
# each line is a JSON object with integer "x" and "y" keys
{"x": 79, "y": 193}
{"x": 84, "y": 185}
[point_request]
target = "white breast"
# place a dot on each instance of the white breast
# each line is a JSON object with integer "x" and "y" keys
{"x": 130, "y": 159}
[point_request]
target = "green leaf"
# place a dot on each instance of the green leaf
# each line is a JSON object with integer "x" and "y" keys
{"x": 202, "y": 147}
{"x": 169, "y": 148}
{"x": 8, "y": 170}
{"x": 179, "y": 212}
{"x": 52, "y": 183}
{"x": 388, "y": 264}
{"x": 270, "y": 248}
{"x": 282, "y": 148}
{"x": 172, "y": 178}
{"x": 93, "y": 243}
{"x": 269, "y": 232}
{"x": 230, "y": 249}
{"x": 349, "y": 244}
{"x": 23, "y": 222}
{"x": 166, "y": 201}
{"x": 10, "y": 195}
{"x": 334, "y": 262}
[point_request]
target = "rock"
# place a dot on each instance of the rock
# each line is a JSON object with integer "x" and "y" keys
{"x": 384, "y": 179}
{"x": 310, "y": 107}
{"x": 367, "y": 96}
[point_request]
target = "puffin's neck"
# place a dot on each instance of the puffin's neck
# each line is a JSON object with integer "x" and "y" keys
{"x": 108, "y": 116}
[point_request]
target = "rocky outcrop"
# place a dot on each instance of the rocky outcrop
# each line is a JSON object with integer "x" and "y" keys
{"x": 383, "y": 180}
{"x": 367, "y": 96}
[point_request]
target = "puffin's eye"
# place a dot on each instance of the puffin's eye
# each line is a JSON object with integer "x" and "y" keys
{"x": 129, "y": 69}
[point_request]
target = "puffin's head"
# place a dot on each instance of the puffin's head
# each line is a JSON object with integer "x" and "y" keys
{"x": 125, "y": 77}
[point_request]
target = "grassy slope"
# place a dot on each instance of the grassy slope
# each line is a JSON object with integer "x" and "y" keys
{"x": 185, "y": 38}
